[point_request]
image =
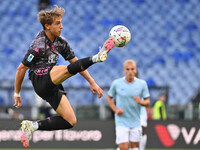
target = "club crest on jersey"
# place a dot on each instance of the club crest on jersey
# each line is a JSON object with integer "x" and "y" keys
{"x": 30, "y": 58}
{"x": 52, "y": 58}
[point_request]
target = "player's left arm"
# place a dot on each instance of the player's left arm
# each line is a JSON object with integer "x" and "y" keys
{"x": 144, "y": 102}
{"x": 145, "y": 95}
{"x": 93, "y": 86}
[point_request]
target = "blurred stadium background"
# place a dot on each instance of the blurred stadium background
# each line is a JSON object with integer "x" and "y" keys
{"x": 165, "y": 45}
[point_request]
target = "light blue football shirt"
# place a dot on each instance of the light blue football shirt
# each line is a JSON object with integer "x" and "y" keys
{"x": 123, "y": 93}
{"x": 143, "y": 111}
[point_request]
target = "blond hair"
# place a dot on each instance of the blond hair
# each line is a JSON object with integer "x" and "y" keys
{"x": 129, "y": 61}
{"x": 47, "y": 16}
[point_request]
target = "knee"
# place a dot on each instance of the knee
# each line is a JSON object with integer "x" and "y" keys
{"x": 72, "y": 121}
{"x": 123, "y": 148}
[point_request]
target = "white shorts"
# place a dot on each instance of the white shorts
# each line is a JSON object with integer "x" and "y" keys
{"x": 143, "y": 120}
{"x": 124, "y": 134}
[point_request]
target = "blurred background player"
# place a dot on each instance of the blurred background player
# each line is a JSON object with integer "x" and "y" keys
{"x": 130, "y": 94}
{"x": 46, "y": 76}
{"x": 43, "y": 4}
{"x": 144, "y": 118}
{"x": 199, "y": 110}
{"x": 159, "y": 111}
{"x": 9, "y": 113}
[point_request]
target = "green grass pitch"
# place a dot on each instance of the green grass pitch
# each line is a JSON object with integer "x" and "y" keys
{"x": 82, "y": 149}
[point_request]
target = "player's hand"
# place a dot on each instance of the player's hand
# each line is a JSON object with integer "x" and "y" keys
{"x": 137, "y": 99}
{"x": 95, "y": 88}
{"x": 18, "y": 102}
{"x": 119, "y": 112}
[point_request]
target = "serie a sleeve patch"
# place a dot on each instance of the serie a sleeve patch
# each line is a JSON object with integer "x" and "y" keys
{"x": 30, "y": 57}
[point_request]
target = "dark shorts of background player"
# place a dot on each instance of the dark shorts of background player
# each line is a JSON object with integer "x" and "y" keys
{"x": 48, "y": 91}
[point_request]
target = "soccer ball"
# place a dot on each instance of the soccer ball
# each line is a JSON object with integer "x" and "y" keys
{"x": 121, "y": 35}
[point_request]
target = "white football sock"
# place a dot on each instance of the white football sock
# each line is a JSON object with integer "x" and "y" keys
{"x": 94, "y": 58}
{"x": 143, "y": 141}
{"x": 35, "y": 125}
{"x": 134, "y": 148}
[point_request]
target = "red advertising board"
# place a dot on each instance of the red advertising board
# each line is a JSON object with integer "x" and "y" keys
{"x": 173, "y": 134}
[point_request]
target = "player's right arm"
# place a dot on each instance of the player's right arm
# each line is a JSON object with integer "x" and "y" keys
{"x": 21, "y": 71}
{"x": 113, "y": 106}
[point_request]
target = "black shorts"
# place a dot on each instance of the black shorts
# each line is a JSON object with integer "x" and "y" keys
{"x": 48, "y": 91}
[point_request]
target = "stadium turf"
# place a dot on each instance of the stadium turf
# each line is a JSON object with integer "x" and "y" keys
{"x": 84, "y": 149}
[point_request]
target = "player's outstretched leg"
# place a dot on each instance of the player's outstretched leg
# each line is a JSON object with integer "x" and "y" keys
{"x": 48, "y": 124}
{"x": 107, "y": 46}
{"x": 84, "y": 63}
{"x": 27, "y": 130}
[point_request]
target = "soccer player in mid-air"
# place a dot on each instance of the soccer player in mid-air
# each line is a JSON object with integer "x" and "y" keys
{"x": 46, "y": 76}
